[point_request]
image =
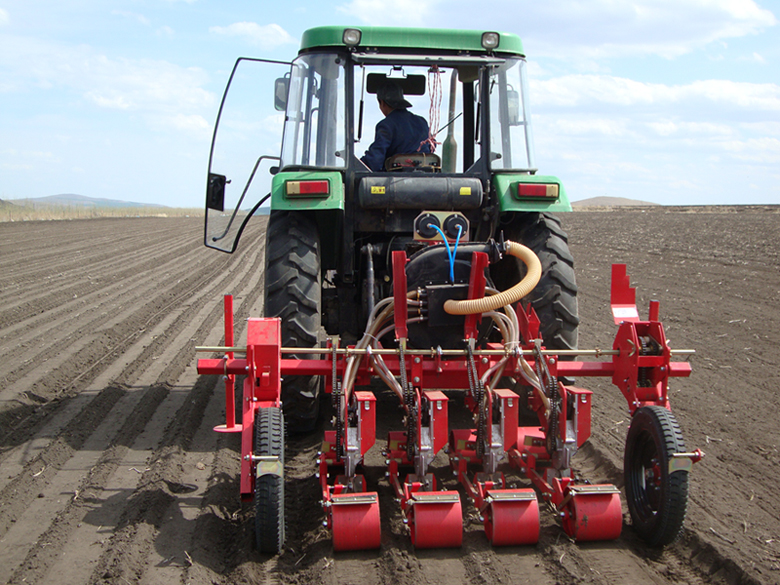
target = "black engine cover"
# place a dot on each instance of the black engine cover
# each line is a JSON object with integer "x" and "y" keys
{"x": 429, "y": 271}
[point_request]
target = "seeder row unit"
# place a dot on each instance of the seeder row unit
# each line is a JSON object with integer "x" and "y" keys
{"x": 483, "y": 368}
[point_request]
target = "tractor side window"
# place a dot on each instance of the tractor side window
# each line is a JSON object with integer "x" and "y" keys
{"x": 314, "y": 122}
{"x": 511, "y": 139}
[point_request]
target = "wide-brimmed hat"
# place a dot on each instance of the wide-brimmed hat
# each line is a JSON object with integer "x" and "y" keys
{"x": 392, "y": 94}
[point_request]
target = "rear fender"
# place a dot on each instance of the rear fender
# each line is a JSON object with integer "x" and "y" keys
{"x": 541, "y": 193}
{"x": 310, "y": 190}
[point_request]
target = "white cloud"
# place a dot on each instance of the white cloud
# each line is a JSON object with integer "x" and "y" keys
{"x": 191, "y": 123}
{"x": 763, "y": 150}
{"x": 570, "y": 91}
{"x": 671, "y": 128}
{"x": 165, "y": 31}
{"x": 266, "y": 36}
{"x": 4, "y": 18}
{"x": 140, "y": 18}
{"x": 125, "y": 84}
{"x": 398, "y": 12}
{"x": 575, "y": 29}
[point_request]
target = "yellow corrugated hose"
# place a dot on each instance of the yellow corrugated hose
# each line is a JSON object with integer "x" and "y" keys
{"x": 509, "y": 296}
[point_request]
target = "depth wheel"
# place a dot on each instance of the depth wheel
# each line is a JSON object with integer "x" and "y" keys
{"x": 293, "y": 292}
{"x": 269, "y": 487}
{"x": 657, "y": 498}
{"x": 555, "y": 297}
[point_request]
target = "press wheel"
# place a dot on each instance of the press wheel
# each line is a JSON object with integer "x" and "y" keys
{"x": 513, "y": 523}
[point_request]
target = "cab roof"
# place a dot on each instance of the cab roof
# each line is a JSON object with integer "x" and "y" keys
{"x": 424, "y": 39}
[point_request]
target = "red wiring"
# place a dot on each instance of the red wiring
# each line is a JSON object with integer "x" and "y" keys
{"x": 434, "y": 90}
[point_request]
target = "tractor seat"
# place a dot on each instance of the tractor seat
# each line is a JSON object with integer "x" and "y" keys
{"x": 414, "y": 161}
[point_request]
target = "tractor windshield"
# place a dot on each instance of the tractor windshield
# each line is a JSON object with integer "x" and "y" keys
{"x": 314, "y": 127}
{"x": 511, "y": 140}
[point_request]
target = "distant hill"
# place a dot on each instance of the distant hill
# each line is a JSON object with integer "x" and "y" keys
{"x": 609, "y": 202}
{"x": 72, "y": 200}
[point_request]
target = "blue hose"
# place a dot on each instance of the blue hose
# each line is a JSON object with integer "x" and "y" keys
{"x": 450, "y": 253}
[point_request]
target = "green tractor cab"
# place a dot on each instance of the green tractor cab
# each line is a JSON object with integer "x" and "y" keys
{"x": 292, "y": 135}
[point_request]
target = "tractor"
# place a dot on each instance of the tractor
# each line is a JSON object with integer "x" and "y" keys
{"x": 445, "y": 271}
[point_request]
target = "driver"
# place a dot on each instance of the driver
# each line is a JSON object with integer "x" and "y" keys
{"x": 399, "y": 132}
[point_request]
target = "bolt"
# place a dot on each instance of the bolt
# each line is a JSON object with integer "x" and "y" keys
{"x": 484, "y": 360}
{"x": 417, "y": 360}
{"x": 417, "y": 379}
{"x": 325, "y": 523}
{"x": 552, "y": 361}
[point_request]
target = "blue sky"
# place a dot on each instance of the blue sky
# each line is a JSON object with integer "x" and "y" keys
{"x": 669, "y": 101}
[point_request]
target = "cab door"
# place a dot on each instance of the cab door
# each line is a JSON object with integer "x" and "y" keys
{"x": 245, "y": 148}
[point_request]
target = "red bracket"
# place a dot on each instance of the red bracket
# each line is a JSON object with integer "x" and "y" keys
{"x": 479, "y": 261}
{"x": 399, "y": 294}
{"x": 623, "y": 296}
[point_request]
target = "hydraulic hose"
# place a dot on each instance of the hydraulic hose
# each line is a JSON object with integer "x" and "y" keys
{"x": 509, "y": 296}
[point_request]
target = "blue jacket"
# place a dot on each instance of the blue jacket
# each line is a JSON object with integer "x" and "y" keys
{"x": 399, "y": 132}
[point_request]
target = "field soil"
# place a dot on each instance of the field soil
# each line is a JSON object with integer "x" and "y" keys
{"x": 110, "y": 472}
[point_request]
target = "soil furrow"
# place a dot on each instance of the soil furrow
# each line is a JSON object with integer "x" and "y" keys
{"x": 108, "y": 405}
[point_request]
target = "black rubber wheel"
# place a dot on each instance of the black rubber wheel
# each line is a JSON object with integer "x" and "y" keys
{"x": 269, "y": 488}
{"x": 555, "y": 297}
{"x": 657, "y": 499}
{"x": 293, "y": 292}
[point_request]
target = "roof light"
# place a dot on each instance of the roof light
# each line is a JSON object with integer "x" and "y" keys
{"x": 351, "y": 36}
{"x": 538, "y": 190}
{"x": 490, "y": 40}
{"x": 307, "y": 188}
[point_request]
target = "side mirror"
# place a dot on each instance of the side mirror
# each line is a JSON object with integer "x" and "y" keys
{"x": 215, "y": 192}
{"x": 281, "y": 88}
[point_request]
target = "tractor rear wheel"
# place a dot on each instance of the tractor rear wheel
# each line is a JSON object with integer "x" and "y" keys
{"x": 293, "y": 292}
{"x": 269, "y": 485}
{"x": 555, "y": 297}
{"x": 657, "y": 496}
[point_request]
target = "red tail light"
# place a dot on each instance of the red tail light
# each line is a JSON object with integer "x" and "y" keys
{"x": 307, "y": 188}
{"x": 538, "y": 190}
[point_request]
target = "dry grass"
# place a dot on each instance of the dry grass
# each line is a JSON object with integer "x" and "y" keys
{"x": 16, "y": 212}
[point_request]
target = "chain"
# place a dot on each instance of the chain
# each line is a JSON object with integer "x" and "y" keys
{"x": 409, "y": 403}
{"x": 477, "y": 389}
{"x": 337, "y": 403}
{"x": 550, "y": 384}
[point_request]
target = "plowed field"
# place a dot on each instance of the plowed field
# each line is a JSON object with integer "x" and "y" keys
{"x": 110, "y": 472}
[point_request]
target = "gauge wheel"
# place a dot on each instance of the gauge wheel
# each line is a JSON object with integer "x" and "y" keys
{"x": 269, "y": 483}
{"x": 657, "y": 495}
